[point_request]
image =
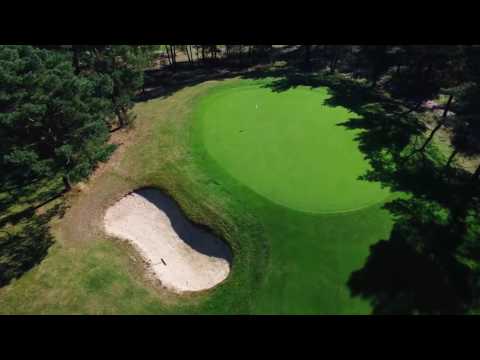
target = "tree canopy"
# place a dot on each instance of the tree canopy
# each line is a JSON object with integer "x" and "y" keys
{"x": 51, "y": 121}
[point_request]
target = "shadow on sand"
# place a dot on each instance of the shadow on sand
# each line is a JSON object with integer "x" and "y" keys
{"x": 198, "y": 237}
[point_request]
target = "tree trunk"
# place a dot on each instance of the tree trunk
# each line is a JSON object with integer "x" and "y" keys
{"x": 425, "y": 144}
{"x": 439, "y": 125}
{"x": 334, "y": 65}
{"x": 76, "y": 59}
{"x": 168, "y": 54}
{"x": 174, "y": 54}
{"x": 122, "y": 118}
{"x": 476, "y": 174}
{"x": 307, "y": 57}
{"x": 447, "y": 106}
{"x": 429, "y": 139}
{"x": 188, "y": 55}
{"x": 67, "y": 183}
{"x": 450, "y": 159}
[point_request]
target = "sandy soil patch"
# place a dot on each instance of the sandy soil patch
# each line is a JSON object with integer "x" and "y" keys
{"x": 182, "y": 255}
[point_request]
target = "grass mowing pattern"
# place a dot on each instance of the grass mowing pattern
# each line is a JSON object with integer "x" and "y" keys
{"x": 312, "y": 255}
{"x": 287, "y": 147}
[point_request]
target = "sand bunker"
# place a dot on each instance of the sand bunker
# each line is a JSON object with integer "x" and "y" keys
{"x": 182, "y": 255}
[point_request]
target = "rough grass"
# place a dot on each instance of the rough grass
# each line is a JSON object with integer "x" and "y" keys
{"x": 87, "y": 273}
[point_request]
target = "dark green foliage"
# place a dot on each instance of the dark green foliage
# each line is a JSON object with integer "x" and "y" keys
{"x": 51, "y": 121}
{"x": 123, "y": 65}
{"x": 377, "y": 59}
{"x": 56, "y": 105}
{"x": 335, "y": 54}
{"x": 121, "y": 68}
{"x": 466, "y": 128}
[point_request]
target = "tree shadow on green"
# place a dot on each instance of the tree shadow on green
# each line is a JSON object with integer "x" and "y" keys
{"x": 25, "y": 247}
{"x": 30, "y": 198}
{"x": 417, "y": 270}
{"x": 423, "y": 267}
{"x": 427, "y": 264}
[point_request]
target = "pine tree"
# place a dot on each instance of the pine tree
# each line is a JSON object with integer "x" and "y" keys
{"x": 51, "y": 120}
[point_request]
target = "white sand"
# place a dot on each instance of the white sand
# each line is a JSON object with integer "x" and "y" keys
{"x": 183, "y": 256}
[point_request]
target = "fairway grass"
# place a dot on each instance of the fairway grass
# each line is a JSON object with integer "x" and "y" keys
{"x": 290, "y": 256}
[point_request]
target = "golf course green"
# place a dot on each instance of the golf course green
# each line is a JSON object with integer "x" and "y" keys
{"x": 279, "y": 182}
{"x": 284, "y": 157}
{"x": 315, "y": 179}
{"x": 288, "y": 147}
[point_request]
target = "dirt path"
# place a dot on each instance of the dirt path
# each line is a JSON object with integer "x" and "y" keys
{"x": 88, "y": 200}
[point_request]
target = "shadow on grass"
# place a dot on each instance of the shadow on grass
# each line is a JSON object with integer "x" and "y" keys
{"x": 164, "y": 83}
{"x": 169, "y": 79}
{"x": 428, "y": 263}
{"x": 25, "y": 211}
{"x": 416, "y": 271}
{"x": 28, "y": 198}
{"x": 26, "y": 245}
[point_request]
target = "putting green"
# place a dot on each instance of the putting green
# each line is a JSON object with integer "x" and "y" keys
{"x": 287, "y": 146}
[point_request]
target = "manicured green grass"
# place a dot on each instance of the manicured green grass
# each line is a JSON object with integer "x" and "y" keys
{"x": 288, "y": 147}
{"x": 312, "y": 255}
